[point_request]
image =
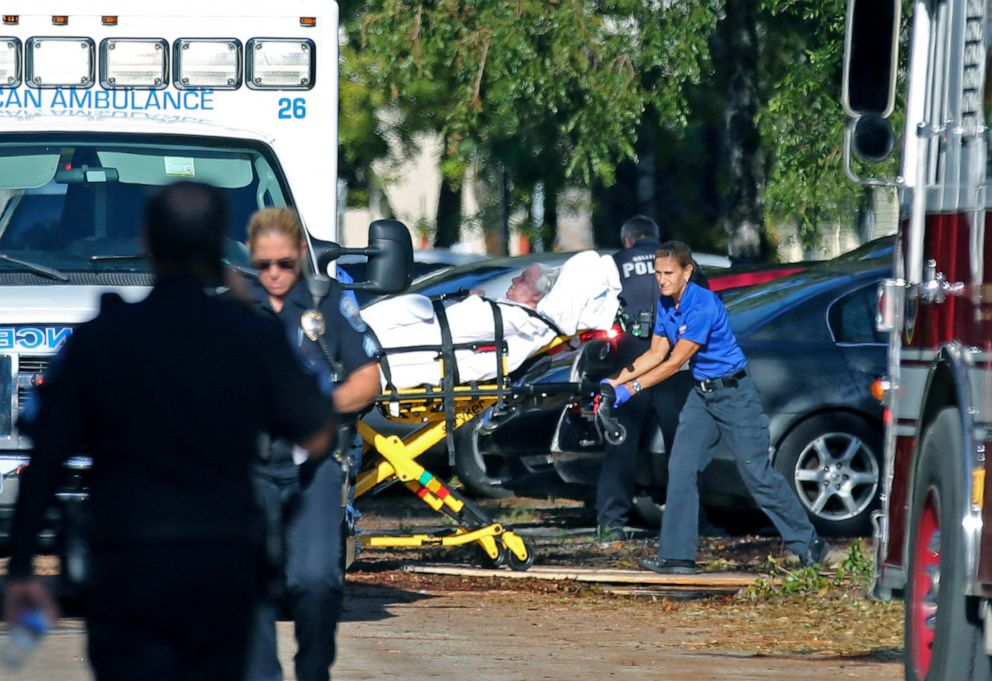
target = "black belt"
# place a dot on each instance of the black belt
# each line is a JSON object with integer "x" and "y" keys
{"x": 728, "y": 381}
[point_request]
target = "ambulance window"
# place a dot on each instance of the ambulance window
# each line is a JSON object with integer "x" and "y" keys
{"x": 75, "y": 201}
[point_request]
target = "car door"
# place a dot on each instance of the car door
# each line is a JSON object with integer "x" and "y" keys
{"x": 851, "y": 319}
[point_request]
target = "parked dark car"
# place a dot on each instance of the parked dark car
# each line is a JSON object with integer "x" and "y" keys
{"x": 813, "y": 351}
{"x": 739, "y": 276}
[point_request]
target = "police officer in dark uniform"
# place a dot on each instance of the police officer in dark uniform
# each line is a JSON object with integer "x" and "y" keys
{"x": 170, "y": 396}
{"x": 333, "y": 342}
{"x": 615, "y": 492}
{"x": 691, "y": 326}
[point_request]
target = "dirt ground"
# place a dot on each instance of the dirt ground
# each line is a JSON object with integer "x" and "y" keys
{"x": 404, "y": 625}
{"x": 447, "y": 627}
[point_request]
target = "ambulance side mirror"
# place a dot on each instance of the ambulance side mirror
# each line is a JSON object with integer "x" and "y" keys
{"x": 390, "y": 257}
{"x": 389, "y": 253}
{"x": 871, "y": 48}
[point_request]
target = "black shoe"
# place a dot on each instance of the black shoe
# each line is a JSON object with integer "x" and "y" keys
{"x": 670, "y": 566}
{"x": 610, "y": 534}
{"x": 815, "y": 553}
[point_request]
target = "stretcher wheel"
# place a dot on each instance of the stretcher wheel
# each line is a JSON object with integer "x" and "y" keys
{"x": 615, "y": 436}
{"x": 520, "y": 565}
{"x": 490, "y": 563}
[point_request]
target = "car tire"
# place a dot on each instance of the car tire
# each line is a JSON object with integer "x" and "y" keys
{"x": 943, "y": 629}
{"x": 480, "y": 475}
{"x": 833, "y": 462}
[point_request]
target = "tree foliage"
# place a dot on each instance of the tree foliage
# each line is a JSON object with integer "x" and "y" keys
{"x": 562, "y": 92}
{"x": 802, "y": 123}
{"x": 545, "y": 87}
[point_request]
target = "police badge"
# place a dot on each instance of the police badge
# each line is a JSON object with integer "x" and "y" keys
{"x": 313, "y": 325}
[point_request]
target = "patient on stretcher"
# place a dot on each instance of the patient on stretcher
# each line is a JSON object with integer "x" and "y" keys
{"x": 528, "y": 287}
{"x": 537, "y": 308}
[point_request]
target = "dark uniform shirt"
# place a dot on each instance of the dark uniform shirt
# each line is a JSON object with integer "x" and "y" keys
{"x": 636, "y": 266}
{"x": 639, "y": 290}
{"x": 347, "y": 339}
{"x": 170, "y": 396}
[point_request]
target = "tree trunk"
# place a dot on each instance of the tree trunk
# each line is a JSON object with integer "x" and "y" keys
{"x": 449, "y": 212}
{"x": 549, "y": 235}
{"x": 743, "y": 222}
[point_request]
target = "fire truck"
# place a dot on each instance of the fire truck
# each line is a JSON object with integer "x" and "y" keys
{"x": 933, "y": 533}
{"x": 102, "y": 103}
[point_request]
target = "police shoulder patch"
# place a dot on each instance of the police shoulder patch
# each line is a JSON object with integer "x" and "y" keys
{"x": 349, "y": 310}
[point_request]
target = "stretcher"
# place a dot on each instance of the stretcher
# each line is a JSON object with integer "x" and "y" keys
{"x": 438, "y": 411}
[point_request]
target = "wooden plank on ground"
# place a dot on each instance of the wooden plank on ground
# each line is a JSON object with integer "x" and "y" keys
{"x": 706, "y": 580}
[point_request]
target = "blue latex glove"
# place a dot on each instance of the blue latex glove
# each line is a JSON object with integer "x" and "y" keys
{"x": 623, "y": 394}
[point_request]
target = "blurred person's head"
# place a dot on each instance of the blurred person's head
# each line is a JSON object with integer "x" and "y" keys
{"x": 277, "y": 249}
{"x": 184, "y": 230}
{"x": 637, "y": 228}
{"x": 528, "y": 287}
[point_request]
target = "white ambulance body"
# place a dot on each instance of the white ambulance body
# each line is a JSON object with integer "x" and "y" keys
{"x": 101, "y": 103}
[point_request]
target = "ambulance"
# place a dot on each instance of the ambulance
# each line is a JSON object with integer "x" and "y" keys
{"x": 101, "y": 104}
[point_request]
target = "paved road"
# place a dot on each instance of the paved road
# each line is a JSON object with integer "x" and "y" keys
{"x": 507, "y": 636}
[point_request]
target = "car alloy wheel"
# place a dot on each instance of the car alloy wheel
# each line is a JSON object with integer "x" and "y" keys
{"x": 832, "y": 462}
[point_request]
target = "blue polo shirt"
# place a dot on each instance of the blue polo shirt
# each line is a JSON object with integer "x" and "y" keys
{"x": 702, "y": 319}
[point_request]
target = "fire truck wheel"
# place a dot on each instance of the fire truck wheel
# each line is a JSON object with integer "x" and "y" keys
{"x": 833, "y": 463}
{"x": 943, "y": 630}
{"x": 479, "y": 474}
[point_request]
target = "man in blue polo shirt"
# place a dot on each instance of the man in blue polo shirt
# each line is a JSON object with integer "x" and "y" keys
{"x": 691, "y": 326}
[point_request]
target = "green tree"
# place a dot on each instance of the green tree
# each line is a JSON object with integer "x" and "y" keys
{"x": 551, "y": 90}
{"x": 802, "y": 123}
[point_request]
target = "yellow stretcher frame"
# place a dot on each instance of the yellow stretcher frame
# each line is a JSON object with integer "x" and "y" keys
{"x": 395, "y": 458}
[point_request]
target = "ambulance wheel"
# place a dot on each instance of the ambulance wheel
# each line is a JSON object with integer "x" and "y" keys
{"x": 943, "y": 628}
{"x": 520, "y": 565}
{"x": 487, "y": 561}
{"x": 480, "y": 474}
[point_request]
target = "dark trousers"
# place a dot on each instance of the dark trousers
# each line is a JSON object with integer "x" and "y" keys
{"x": 736, "y": 415}
{"x": 172, "y": 611}
{"x": 314, "y": 578}
{"x": 618, "y": 476}
{"x": 658, "y": 406}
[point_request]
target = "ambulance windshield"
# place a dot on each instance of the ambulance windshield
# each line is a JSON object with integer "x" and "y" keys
{"x": 75, "y": 202}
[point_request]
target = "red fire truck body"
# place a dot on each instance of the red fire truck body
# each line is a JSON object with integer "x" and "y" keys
{"x": 933, "y": 534}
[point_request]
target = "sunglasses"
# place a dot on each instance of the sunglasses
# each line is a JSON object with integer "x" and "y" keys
{"x": 286, "y": 264}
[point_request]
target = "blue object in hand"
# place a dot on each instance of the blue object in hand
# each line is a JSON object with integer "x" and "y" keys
{"x": 25, "y": 635}
{"x": 623, "y": 394}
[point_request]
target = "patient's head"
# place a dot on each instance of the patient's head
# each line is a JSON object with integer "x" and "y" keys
{"x": 528, "y": 287}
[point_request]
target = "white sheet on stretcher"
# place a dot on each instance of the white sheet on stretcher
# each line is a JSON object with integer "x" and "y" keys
{"x": 583, "y": 297}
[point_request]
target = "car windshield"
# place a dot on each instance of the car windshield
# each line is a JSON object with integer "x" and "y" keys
{"x": 74, "y": 203}
{"x": 748, "y": 307}
{"x": 448, "y": 282}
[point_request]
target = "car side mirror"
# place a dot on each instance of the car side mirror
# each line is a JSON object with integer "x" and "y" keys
{"x": 389, "y": 253}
